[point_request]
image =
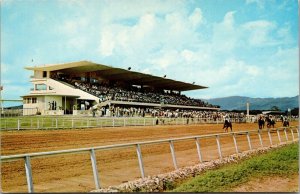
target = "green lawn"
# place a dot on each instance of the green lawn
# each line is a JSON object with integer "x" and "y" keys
{"x": 280, "y": 162}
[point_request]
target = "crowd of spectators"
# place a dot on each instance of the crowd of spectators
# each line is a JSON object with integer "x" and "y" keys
{"x": 135, "y": 94}
{"x": 119, "y": 111}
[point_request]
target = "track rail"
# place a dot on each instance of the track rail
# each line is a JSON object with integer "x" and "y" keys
{"x": 27, "y": 157}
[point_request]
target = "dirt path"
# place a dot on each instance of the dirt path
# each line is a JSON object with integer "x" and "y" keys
{"x": 70, "y": 173}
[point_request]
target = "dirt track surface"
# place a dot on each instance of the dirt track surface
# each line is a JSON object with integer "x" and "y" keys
{"x": 73, "y": 172}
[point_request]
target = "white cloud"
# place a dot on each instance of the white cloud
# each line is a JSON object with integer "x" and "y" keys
{"x": 169, "y": 58}
{"x": 260, "y": 3}
{"x": 118, "y": 10}
{"x": 226, "y": 29}
{"x": 196, "y": 18}
{"x": 259, "y": 32}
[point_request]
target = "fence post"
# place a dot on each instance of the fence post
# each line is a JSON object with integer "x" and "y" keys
{"x": 113, "y": 122}
{"x": 28, "y": 174}
{"x": 278, "y": 135}
{"x": 18, "y": 124}
{"x": 173, "y": 154}
{"x": 72, "y": 123}
{"x": 270, "y": 137}
{"x": 235, "y": 144}
{"x": 260, "y": 139}
{"x": 139, "y": 154}
{"x": 56, "y": 124}
{"x": 30, "y": 122}
{"x": 144, "y": 122}
{"x": 198, "y": 149}
{"x": 95, "y": 169}
{"x": 219, "y": 146}
{"x": 286, "y": 137}
{"x": 292, "y": 134}
{"x": 249, "y": 142}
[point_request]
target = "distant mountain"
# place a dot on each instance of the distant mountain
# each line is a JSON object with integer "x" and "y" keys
{"x": 239, "y": 103}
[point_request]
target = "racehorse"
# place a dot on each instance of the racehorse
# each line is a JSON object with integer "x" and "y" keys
{"x": 226, "y": 125}
{"x": 270, "y": 122}
{"x": 261, "y": 123}
{"x": 286, "y": 123}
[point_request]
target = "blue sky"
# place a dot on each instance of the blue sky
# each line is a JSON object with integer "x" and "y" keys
{"x": 235, "y": 47}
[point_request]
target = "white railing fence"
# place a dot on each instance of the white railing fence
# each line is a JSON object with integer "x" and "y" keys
{"x": 137, "y": 145}
{"x": 50, "y": 122}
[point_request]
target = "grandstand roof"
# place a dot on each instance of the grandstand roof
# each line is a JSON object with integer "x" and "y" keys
{"x": 119, "y": 74}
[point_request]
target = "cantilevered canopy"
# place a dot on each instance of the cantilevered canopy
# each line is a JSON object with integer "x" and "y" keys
{"x": 118, "y": 74}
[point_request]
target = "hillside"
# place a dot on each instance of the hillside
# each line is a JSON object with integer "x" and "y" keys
{"x": 239, "y": 103}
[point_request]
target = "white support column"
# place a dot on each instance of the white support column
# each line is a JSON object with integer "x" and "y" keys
{"x": 235, "y": 143}
{"x": 140, "y": 158}
{"x": 95, "y": 169}
{"x": 198, "y": 149}
{"x": 65, "y": 105}
{"x": 28, "y": 174}
{"x": 219, "y": 146}
{"x": 173, "y": 154}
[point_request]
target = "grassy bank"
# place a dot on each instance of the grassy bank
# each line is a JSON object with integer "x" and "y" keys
{"x": 280, "y": 162}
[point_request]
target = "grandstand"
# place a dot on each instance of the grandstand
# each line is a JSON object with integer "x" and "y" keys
{"x": 85, "y": 87}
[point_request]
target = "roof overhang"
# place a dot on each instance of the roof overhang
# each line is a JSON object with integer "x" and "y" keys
{"x": 51, "y": 94}
{"x": 119, "y": 74}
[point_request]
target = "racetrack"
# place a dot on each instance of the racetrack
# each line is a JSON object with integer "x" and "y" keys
{"x": 73, "y": 173}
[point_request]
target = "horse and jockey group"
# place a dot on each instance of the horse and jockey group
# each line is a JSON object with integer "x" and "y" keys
{"x": 269, "y": 119}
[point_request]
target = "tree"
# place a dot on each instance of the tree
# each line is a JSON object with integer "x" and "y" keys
{"x": 275, "y": 108}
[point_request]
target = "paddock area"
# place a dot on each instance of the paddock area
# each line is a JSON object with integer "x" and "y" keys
{"x": 74, "y": 173}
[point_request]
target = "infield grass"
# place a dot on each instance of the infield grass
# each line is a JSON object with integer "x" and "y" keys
{"x": 281, "y": 162}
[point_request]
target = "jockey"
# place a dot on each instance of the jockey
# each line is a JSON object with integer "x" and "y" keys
{"x": 227, "y": 118}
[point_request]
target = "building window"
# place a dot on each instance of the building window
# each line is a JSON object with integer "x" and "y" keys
{"x": 40, "y": 87}
{"x": 33, "y": 100}
{"x": 44, "y": 73}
